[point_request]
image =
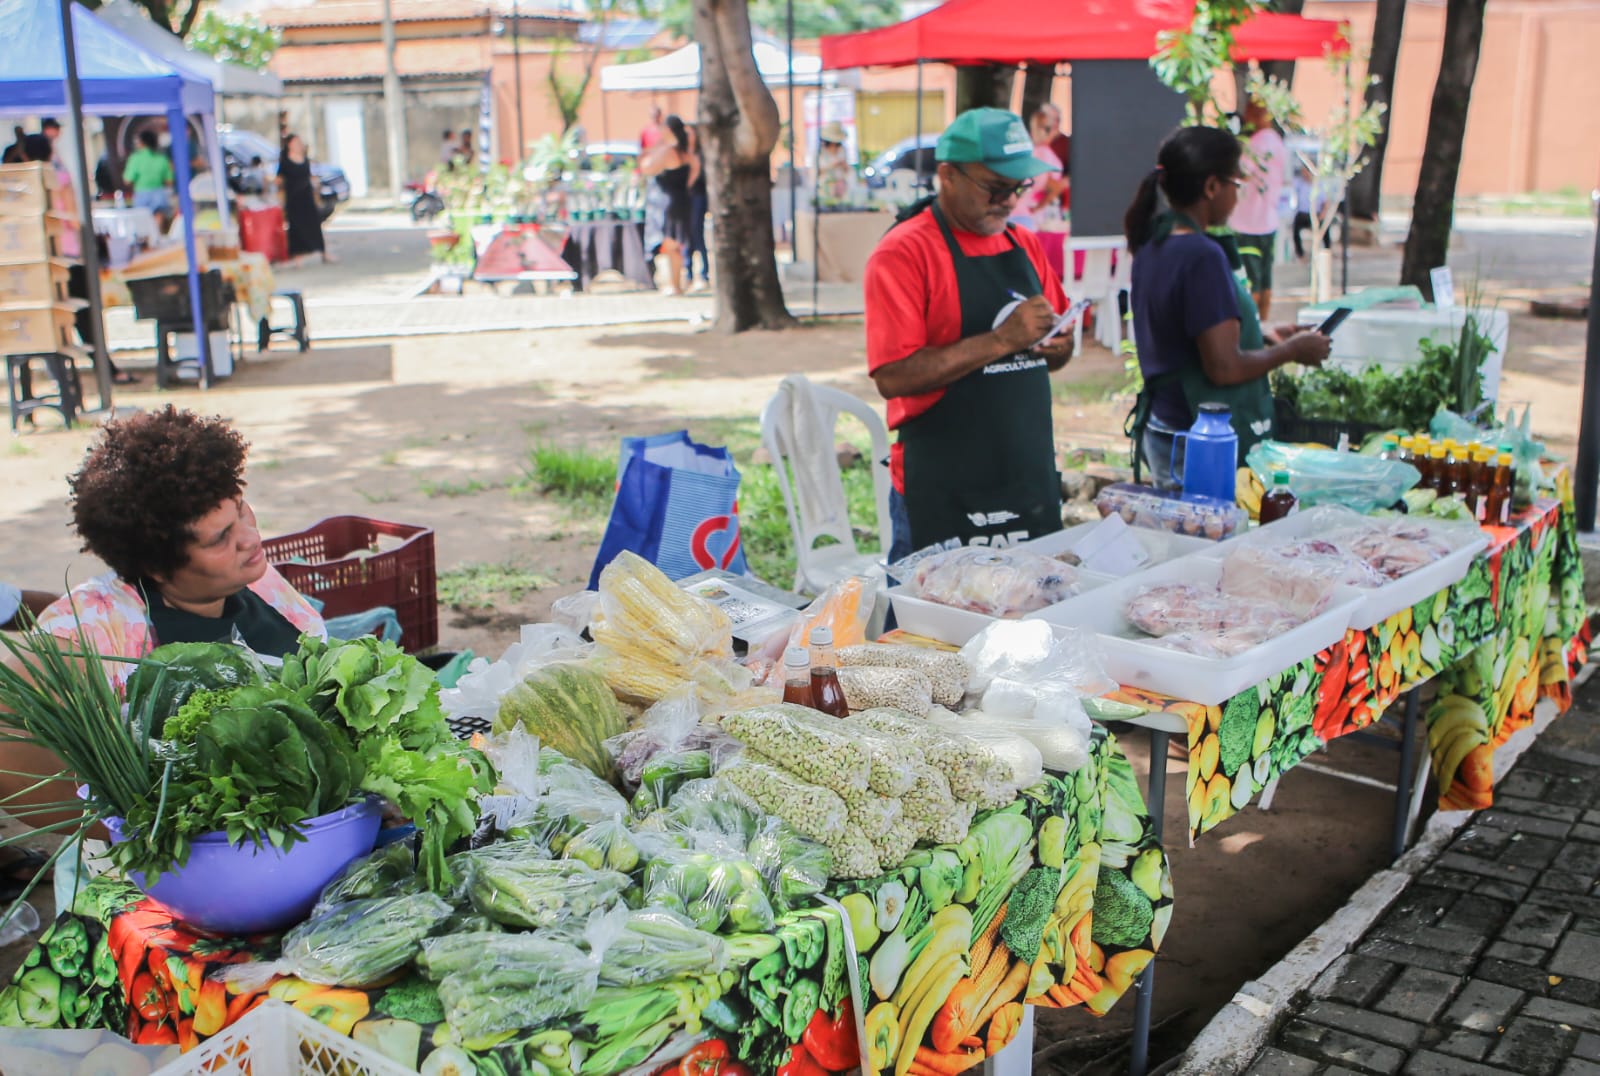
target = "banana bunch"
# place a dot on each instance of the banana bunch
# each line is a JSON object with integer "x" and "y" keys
{"x": 1248, "y": 491}
{"x": 1461, "y": 728}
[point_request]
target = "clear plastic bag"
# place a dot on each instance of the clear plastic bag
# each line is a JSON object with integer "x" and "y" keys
{"x": 994, "y": 582}
{"x": 478, "y": 692}
{"x": 794, "y": 867}
{"x": 1177, "y": 608}
{"x": 1052, "y": 660}
{"x": 853, "y": 855}
{"x": 380, "y": 874}
{"x": 534, "y": 893}
{"x": 890, "y": 763}
{"x": 813, "y": 810}
{"x": 868, "y": 688}
{"x": 872, "y": 812}
{"x": 1393, "y": 548}
{"x": 1021, "y": 757}
{"x": 1005, "y": 648}
{"x": 947, "y": 673}
{"x": 1323, "y": 476}
{"x": 361, "y": 941}
{"x": 792, "y": 737}
{"x": 659, "y": 943}
{"x": 493, "y": 983}
{"x": 1298, "y": 578}
{"x": 605, "y": 845}
{"x": 974, "y": 772}
{"x": 710, "y": 890}
{"x": 1063, "y": 746}
{"x": 845, "y": 607}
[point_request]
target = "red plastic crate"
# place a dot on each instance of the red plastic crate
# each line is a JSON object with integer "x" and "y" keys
{"x": 319, "y": 563}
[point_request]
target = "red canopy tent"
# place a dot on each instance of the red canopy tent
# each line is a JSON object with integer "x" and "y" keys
{"x": 995, "y": 31}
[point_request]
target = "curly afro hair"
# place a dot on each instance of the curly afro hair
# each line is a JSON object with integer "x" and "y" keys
{"x": 146, "y": 483}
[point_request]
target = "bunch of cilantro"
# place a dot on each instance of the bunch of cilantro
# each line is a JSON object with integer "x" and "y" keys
{"x": 343, "y": 719}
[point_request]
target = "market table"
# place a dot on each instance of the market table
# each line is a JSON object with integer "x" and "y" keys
{"x": 840, "y": 241}
{"x": 1511, "y": 632}
{"x": 123, "y": 227}
{"x": 1078, "y": 854}
{"x": 249, "y": 273}
{"x": 593, "y": 246}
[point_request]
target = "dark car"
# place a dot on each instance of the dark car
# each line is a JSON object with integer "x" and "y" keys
{"x": 908, "y": 154}
{"x": 240, "y": 147}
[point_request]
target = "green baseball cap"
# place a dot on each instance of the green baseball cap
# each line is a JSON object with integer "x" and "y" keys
{"x": 993, "y": 138}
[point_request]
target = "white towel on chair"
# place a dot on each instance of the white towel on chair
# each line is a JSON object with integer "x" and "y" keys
{"x": 818, "y": 487}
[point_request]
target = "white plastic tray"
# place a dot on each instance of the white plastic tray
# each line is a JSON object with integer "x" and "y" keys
{"x": 1134, "y": 659}
{"x": 1161, "y": 545}
{"x": 1376, "y": 605}
{"x": 955, "y": 626}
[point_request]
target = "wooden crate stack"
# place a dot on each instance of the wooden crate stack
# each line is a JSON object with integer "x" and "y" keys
{"x": 36, "y": 313}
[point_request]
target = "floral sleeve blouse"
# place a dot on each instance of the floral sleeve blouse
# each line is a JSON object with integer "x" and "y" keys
{"x": 111, "y": 613}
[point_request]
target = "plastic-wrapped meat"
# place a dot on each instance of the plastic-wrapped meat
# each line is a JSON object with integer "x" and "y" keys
{"x": 1186, "y": 609}
{"x": 994, "y": 582}
{"x": 1222, "y": 643}
{"x": 1301, "y": 584}
{"x": 1328, "y": 559}
{"x": 1397, "y": 548}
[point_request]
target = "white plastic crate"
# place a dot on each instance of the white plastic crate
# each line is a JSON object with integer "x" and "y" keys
{"x": 946, "y": 623}
{"x": 1134, "y": 659}
{"x": 277, "y": 1040}
{"x": 1377, "y": 604}
{"x": 1159, "y": 546}
{"x": 31, "y": 1052}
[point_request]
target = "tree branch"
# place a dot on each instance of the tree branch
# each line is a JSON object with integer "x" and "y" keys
{"x": 756, "y": 132}
{"x": 189, "y": 18}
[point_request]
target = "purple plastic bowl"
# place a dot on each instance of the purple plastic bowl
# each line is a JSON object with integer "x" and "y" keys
{"x": 228, "y": 888}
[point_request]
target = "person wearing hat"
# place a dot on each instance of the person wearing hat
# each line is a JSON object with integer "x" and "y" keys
{"x": 958, "y": 305}
{"x": 835, "y": 177}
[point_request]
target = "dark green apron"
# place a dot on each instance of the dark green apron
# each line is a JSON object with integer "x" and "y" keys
{"x": 1250, "y": 403}
{"x": 980, "y": 465}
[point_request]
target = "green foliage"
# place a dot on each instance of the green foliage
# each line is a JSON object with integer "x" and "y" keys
{"x": 1187, "y": 60}
{"x": 1448, "y": 376}
{"x": 482, "y": 586}
{"x": 812, "y": 18}
{"x": 238, "y": 39}
{"x": 575, "y": 476}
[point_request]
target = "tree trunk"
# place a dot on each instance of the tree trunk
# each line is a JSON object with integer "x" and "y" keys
{"x": 1282, "y": 70}
{"x": 1433, "y": 209}
{"x": 1036, "y": 85}
{"x": 1366, "y": 190}
{"x": 739, "y": 127}
{"x": 983, "y": 86}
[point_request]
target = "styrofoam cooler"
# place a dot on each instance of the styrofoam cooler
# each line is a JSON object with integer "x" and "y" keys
{"x": 261, "y": 231}
{"x": 221, "y": 355}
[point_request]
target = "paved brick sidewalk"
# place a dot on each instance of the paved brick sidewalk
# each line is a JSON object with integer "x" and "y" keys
{"x": 1489, "y": 961}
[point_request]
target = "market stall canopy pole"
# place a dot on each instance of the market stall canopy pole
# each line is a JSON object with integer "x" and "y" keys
{"x": 85, "y": 223}
{"x": 1587, "y": 474}
{"x": 987, "y": 31}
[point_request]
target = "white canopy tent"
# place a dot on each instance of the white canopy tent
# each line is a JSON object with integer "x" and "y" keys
{"x": 226, "y": 79}
{"x": 680, "y": 70}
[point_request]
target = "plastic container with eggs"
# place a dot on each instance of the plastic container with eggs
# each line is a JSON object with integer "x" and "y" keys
{"x": 1153, "y": 509}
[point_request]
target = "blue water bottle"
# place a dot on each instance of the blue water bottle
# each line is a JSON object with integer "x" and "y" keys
{"x": 1211, "y": 454}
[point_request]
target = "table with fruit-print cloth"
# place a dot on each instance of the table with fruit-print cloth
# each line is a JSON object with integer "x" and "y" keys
{"x": 1514, "y": 630}
{"x": 1059, "y": 899}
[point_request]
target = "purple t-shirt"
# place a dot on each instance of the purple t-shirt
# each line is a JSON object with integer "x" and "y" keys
{"x": 1182, "y": 286}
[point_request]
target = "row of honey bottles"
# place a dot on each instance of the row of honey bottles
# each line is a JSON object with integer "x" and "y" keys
{"x": 1480, "y": 474}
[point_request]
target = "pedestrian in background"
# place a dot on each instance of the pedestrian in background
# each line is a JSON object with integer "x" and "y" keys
{"x": 149, "y": 173}
{"x": 300, "y": 209}
{"x": 699, "y": 206}
{"x": 447, "y": 149}
{"x": 1264, "y": 169}
{"x": 673, "y": 171}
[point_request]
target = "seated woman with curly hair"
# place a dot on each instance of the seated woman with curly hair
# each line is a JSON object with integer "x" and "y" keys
{"x": 160, "y": 499}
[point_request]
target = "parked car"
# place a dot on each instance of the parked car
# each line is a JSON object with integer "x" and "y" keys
{"x": 609, "y": 156}
{"x": 239, "y": 148}
{"x": 908, "y": 154}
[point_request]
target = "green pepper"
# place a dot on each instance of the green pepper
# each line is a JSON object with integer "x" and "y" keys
{"x": 834, "y": 988}
{"x": 766, "y": 1006}
{"x": 799, "y": 1007}
{"x": 105, "y": 965}
{"x": 67, "y": 946}
{"x": 750, "y": 1036}
{"x": 768, "y": 967}
{"x": 803, "y": 942}
{"x": 726, "y": 1014}
{"x": 39, "y": 997}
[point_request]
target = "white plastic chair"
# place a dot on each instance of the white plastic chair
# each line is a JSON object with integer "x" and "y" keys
{"x": 816, "y": 568}
{"x": 1108, "y": 322}
{"x": 1095, "y": 283}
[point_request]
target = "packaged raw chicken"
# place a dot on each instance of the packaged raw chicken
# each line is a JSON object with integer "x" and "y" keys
{"x": 1301, "y": 581}
{"x": 994, "y": 582}
{"x": 1394, "y": 547}
{"x": 1184, "y": 608}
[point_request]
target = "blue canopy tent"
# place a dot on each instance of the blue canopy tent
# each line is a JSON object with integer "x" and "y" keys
{"x": 116, "y": 77}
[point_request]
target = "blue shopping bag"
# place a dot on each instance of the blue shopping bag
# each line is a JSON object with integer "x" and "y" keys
{"x": 677, "y": 506}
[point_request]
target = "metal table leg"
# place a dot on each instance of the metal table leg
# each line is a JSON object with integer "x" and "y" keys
{"x": 1139, "y": 1053}
{"x": 1403, "y": 783}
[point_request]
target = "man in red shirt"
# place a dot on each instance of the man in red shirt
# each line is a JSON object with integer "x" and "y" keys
{"x": 958, "y": 308}
{"x": 651, "y": 133}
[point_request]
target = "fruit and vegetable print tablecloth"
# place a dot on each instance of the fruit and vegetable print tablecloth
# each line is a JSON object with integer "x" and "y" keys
{"x": 1513, "y": 631}
{"x": 1059, "y": 899}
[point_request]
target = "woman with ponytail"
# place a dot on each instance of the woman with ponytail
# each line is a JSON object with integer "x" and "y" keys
{"x": 1199, "y": 337}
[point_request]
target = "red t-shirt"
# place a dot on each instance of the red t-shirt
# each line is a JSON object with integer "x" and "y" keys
{"x": 912, "y": 301}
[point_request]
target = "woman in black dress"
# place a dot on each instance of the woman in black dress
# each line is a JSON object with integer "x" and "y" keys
{"x": 674, "y": 169}
{"x": 300, "y": 209}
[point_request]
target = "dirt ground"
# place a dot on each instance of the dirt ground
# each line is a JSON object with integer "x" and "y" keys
{"x": 436, "y": 430}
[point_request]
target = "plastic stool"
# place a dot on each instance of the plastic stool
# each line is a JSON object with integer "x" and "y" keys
{"x": 299, "y": 330}
{"x": 67, "y": 399}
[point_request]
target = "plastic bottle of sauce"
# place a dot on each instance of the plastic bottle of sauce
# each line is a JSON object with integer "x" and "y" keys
{"x": 1498, "y": 511}
{"x": 826, "y": 692}
{"x": 1443, "y": 481}
{"x": 1279, "y": 501}
{"x": 1483, "y": 458}
{"x": 1391, "y": 449}
{"x": 1408, "y": 450}
{"x": 797, "y": 677}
